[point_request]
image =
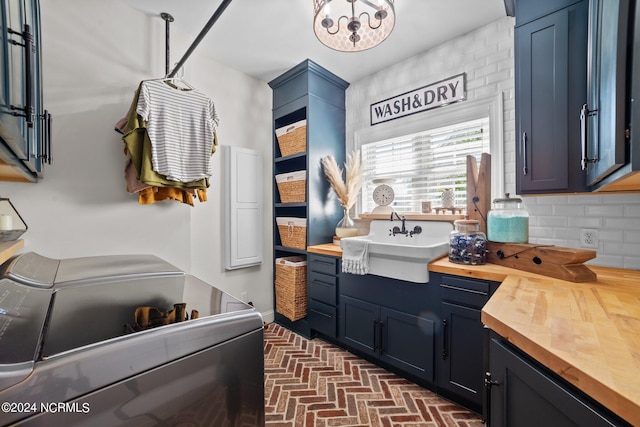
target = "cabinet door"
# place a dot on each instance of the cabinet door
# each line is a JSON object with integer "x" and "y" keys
{"x": 407, "y": 342}
{"x": 526, "y": 396}
{"x": 550, "y": 91}
{"x": 13, "y": 127}
{"x": 462, "y": 367}
{"x": 606, "y": 124}
{"x": 20, "y": 82}
{"x": 358, "y": 322}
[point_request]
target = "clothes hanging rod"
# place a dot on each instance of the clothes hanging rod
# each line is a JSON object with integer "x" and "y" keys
{"x": 201, "y": 36}
{"x": 167, "y": 52}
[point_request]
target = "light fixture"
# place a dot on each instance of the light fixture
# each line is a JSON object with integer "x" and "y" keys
{"x": 353, "y": 25}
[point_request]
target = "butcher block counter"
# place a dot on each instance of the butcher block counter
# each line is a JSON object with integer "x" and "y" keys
{"x": 587, "y": 333}
{"x": 9, "y": 249}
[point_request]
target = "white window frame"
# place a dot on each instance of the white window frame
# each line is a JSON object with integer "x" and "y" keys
{"x": 492, "y": 107}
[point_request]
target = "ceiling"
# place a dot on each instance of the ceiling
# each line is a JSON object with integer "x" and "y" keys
{"x": 265, "y": 38}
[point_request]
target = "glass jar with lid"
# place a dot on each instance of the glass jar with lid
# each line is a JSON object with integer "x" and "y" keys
{"x": 467, "y": 244}
{"x": 508, "y": 221}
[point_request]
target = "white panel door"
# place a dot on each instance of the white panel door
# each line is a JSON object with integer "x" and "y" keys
{"x": 243, "y": 210}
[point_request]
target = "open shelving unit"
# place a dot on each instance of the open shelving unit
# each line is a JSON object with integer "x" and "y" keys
{"x": 312, "y": 93}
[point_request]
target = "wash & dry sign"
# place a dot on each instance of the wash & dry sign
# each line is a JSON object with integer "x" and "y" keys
{"x": 435, "y": 95}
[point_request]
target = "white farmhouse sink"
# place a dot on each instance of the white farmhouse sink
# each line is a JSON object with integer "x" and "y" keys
{"x": 405, "y": 256}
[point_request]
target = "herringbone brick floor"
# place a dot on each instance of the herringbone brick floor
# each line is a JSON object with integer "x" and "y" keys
{"x": 315, "y": 384}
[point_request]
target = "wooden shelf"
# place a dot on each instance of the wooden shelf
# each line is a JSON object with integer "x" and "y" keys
{"x": 415, "y": 216}
{"x": 8, "y": 249}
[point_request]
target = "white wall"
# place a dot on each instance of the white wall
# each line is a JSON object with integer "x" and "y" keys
{"x": 486, "y": 55}
{"x": 94, "y": 55}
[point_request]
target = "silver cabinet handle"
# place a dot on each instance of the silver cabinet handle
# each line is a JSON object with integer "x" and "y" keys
{"x": 584, "y": 114}
{"x": 524, "y": 153}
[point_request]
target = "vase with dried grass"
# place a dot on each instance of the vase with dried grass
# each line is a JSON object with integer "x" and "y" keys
{"x": 346, "y": 191}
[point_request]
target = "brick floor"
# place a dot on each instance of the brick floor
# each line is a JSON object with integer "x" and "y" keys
{"x": 316, "y": 384}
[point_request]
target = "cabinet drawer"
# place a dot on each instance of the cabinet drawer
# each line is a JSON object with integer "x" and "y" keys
{"x": 322, "y": 318}
{"x": 472, "y": 293}
{"x": 322, "y": 287}
{"x": 323, "y": 264}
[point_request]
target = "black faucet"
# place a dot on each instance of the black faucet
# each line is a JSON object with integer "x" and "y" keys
{"x": 396, "y": 229}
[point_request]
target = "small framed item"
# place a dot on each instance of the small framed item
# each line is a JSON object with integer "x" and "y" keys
{"x": 426, "y": 206}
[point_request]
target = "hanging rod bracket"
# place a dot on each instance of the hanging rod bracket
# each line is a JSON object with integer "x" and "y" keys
{"x": 166, "y": 16}
{"x": 200, "y": 36}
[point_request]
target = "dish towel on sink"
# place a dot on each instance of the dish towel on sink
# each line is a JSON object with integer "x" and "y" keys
{"x": 355, "y": 256}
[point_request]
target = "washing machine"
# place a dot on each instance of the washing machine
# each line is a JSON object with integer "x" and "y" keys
{"x": 72, "y": 352}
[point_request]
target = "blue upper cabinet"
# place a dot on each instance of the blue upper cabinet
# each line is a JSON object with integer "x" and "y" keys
{"x": 551, "y": 88}
{"x": 611, "y": 154}
{"x": 24, "y": 124}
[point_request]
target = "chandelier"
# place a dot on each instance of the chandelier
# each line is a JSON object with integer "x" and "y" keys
{"x": 353, "y": 25}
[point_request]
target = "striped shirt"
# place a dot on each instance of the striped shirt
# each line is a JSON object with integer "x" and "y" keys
{"x": 180, "y": 125}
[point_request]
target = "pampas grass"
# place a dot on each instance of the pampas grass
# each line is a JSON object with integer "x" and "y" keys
{"x": 346, "y": 191}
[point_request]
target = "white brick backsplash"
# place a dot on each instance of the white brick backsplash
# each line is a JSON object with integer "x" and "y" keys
{"x": 543, "y": 221}
{"x": 632, "y": 210}
{"x": 632, "y": 263}
{"x": 585, "y": 222}
{"x": 614, "y": 236}
{"x": 605, "y": 210}
{"x": 625, "y": 224}
{"x": 487, "y": 56}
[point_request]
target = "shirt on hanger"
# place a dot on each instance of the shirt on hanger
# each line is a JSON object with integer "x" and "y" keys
{"x": 181, "y": 126}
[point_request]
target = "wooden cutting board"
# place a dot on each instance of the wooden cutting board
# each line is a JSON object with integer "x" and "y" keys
{"x": 552, "y": 261}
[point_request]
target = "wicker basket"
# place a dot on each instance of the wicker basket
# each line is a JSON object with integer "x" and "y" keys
{"x": 293, "y": 232}
{"x": 291, "y": 287}
{"x": 292, "y": 139}
{"x": 292, "y": 186}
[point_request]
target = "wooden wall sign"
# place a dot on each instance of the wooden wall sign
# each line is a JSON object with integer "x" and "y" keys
{"x": 435, "y": 95}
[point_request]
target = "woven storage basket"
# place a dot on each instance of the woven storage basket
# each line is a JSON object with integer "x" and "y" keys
{"x": 291, "y": 287}
{"x": 292, "y": 139}
{"x": 293, "y": 232}
{"x": 292, "y": 186}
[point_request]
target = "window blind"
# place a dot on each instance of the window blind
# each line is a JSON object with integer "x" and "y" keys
{"x": 423, "y": 164}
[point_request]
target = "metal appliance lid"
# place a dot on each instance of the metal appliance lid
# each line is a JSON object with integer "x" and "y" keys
{"x": 32, "y": 269}
{"x": 23, "y": 312}
{"x": 36, "y": 270}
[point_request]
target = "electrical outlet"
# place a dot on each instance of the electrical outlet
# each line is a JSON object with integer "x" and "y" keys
{"x": 589, "y": 238}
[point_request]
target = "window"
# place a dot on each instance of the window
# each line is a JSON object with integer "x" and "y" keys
{"x": 423, "y": 164}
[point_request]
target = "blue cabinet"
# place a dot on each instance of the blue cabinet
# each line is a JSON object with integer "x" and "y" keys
{"x": 322, "y": 294}
{"x": 612, "y": 142}
{"x": 312, "y": 94}
{"x": 524, "y": 393}
{"x": 25, "y": 127}
{"x": 390, "y": 322}
{"x": 462, "y": 338}
{"x": 551, "y": 88}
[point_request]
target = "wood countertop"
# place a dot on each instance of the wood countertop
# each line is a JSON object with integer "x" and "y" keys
{"x": 587, "y": 333}
{"x": 326, "y": 249}
{"x": 8, "y": 249}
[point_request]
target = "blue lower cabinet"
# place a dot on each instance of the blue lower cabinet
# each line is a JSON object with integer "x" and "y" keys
{"x": 461, "y": 338}
{"x": 322, "y": 294}
{"x": 401, "y": 340}
{"x": 359, "y": 324}
{"x": 523, "y": 393}
{"x": 408, "y": 342}
{"x": 322, "y": 318}
{"x": 461, "y": 372}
